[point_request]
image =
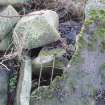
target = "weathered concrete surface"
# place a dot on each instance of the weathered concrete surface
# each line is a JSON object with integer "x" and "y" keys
{"x": 85, "y": 75}
{"x": 3, "y": 86}
{"x": 24, "y": 83}
{"x": 36, "y": 29}
{"x": 6, "y": 21}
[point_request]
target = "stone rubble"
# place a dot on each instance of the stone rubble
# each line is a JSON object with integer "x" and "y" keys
{"x": 36, "y": 30}
{"x": 82, "y": 76}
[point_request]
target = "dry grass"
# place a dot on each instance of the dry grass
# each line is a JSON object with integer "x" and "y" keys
{"x": 53, "y": 66}
{"x": 40, "y": 75}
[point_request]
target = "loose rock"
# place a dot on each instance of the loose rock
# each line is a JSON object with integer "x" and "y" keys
{"x": 7, "y": 22}
{"x": 47, "y": 57}
{"x": 36, "y": 30}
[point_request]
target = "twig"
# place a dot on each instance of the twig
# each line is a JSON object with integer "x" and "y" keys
{"x": 8, "y": 48}
{"x": 13, "y": 16}
{"x": 4, "y": 66}
{"x": 53, "y": 70}
{"x": 9, "y": 56}
{"x": 40, "y": 76}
